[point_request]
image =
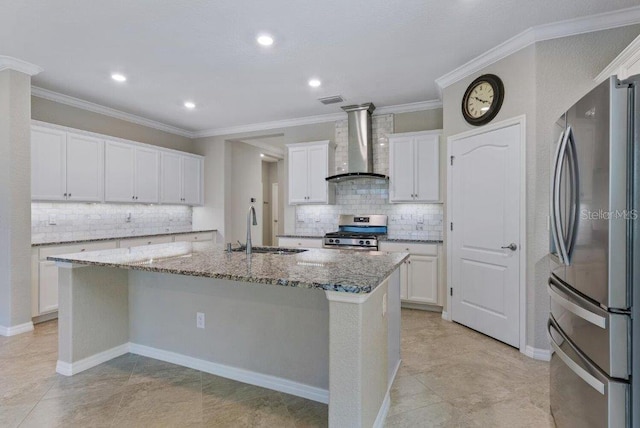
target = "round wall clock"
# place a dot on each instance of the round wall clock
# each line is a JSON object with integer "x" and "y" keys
{"x": 483, "y": 99}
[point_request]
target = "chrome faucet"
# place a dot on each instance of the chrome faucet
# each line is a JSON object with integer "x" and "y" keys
{"x": 251, "y": 214}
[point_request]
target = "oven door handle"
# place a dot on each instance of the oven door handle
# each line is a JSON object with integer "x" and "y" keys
{"x": 349, "y": 247}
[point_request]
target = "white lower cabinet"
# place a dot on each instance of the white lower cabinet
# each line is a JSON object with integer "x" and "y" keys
{"x": 45, "y": 283}
{"x": 300, "y": 242}
{"x": 419, "y": 280}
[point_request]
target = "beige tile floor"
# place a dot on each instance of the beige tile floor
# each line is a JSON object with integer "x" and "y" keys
{"x": 451, "y": 376}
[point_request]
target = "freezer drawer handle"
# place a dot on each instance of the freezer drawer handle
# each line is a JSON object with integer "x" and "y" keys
{"x": 575, "y": 367}
{"x": 572, "y": 307}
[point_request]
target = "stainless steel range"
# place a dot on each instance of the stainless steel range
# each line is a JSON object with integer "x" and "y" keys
{"x": 357, "y": 232}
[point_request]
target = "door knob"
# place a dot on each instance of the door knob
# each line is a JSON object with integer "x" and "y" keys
{"x": 511, "y": 247}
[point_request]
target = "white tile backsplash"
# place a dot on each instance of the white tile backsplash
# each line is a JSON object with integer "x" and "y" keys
{"x": 76, "y": 221}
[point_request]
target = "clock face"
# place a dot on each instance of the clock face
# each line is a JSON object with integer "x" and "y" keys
{"x": 483, "y": 99}
{"x": 480, "y": 100}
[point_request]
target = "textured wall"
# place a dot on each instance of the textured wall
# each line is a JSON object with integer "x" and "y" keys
{"x": 15, "y": 199}
{"x": 76, "y": 221}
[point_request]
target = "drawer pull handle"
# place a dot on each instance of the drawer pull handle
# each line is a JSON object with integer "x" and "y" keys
{"x": 575, "y": 309}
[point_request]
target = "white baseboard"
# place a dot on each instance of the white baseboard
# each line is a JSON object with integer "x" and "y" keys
{"x": 16, "y": 329}
{"x": 241, "y": 375}
{"x": 445, "y": 316}
{"x": 386, "y": 403}
{"x": 537, "y": 353}
{"x": 69, "y": 369}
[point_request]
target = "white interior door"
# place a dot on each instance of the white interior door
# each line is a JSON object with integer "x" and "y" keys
{"x": 274, "y": 213}
{"x": 485, "y": 204}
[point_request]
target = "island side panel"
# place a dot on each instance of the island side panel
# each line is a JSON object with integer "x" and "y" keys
{"x": 394, "y": 316}
{"x": 93, "y": 315}
{"x": 266, "y": 329}
{"x": 358, "y": 357}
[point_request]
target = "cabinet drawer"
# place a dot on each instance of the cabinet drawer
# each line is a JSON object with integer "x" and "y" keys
{"x": 76, "y": 248}
{"x": 412, "y": 248}
{"x": 194, "y": 237}
{"x": 138, "y": 242}
{"x": 300, "y": 242}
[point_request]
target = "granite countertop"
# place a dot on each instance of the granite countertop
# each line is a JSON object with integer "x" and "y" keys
{"x": 301, "y": 236}
{"x": 335, "y": 270}
{"x": 115, "y": 238}
{"x": 412, "y": 241}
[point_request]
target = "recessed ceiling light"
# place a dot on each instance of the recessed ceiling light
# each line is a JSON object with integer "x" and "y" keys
{"x": 189, "y": 105}
{"x": 261, "y": 155}
{"x": 314, "y": 83}
{"x": 119, "y": 77}
{"x": 265, "y": 40}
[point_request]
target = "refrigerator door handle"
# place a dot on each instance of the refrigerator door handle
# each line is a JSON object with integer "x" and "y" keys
{"x": 572, "y": 232}
{"x": 591, "y": 380}
{"x": 555, "y": 202}
{"x": 557, "y": 217}
{"x": 583, "y": 313}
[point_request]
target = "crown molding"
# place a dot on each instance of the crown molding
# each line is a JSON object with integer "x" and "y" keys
{"x": 554, "y": 30}
{"x": 107, "y": 111}
{"x": 620, "y": 66}
{"x": 11, "y": 63}
{"x": 310, "y": 120}
{"x": 410, "y": 107}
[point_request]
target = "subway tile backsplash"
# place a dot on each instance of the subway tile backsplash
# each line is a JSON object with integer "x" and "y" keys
{"x": 370, "y": 196}
{"x": 77, "y": 221}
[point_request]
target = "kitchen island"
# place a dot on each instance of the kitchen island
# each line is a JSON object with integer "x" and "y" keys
{"x": 320, "y": 324}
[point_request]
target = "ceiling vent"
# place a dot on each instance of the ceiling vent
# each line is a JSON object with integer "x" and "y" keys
{"x": 331, "y": 100}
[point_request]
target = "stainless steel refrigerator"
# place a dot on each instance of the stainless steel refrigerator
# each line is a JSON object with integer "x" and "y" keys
{"x": 594, "y": 290}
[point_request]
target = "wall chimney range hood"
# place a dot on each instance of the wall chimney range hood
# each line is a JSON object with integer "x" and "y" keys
{"x": 360, "y": 146}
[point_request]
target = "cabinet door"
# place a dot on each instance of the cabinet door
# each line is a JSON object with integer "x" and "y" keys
{"x": 191, "y": 180}
{"x": 401, "y": 169}
{"x": 423, "y": 279}
{"x": 318, "y": 172}
{"x": 48, "y": 164}
{"x": 85, "y": 168}
{"x": 298, "y": 175}
{"x": 170, "y": 178}
{"x": 119, "y": 185}
{"x": 48, "y": 284}
{"x": 427, "y": 172}
{"x": 147, "y": 174}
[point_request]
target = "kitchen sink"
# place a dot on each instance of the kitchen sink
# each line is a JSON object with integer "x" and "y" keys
{"x": 270, "y": 250}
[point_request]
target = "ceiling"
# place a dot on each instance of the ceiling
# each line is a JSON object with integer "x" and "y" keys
{"x": 387, "y": 52}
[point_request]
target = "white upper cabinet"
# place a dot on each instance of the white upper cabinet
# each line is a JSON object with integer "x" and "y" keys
{"x": 66, "y": 166}
{"x": 147, "y": 175}
{"x": 132, "y": 173}
{"x": 191, "y": 180}
{"x": 119, "y": 182}
{"x": 48, "y": 164}
{"x": 414, "y": 167}
{"x": 171, "y": 178}
{"x": 84, "y": 167}
{"x": 309, "y": 165}
{"x": 181, "y": 179}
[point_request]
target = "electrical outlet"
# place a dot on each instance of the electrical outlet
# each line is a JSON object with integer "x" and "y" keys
{"x": 200, "y": 320}
{"x": 384, "y": 304}
{"x": 52, "y": 219}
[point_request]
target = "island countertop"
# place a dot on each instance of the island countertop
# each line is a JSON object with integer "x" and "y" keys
{"x": 335, "y": 270}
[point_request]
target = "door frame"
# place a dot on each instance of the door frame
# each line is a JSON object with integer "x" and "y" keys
{"x": 275, "y": 206}
{"x": 517, "y": 120}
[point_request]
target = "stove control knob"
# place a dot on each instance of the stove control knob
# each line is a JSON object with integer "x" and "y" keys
{"x": 361, "y": 242}
{"x": 330, "y": 240}
{"x": 368, "y": 242}
{"x": 337, "y": 241}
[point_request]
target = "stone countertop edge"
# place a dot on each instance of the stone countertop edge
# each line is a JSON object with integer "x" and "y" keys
{"x": 349, "y": 285}
{"x": 117, "y": 238}
{"x": 301, "y": 236}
